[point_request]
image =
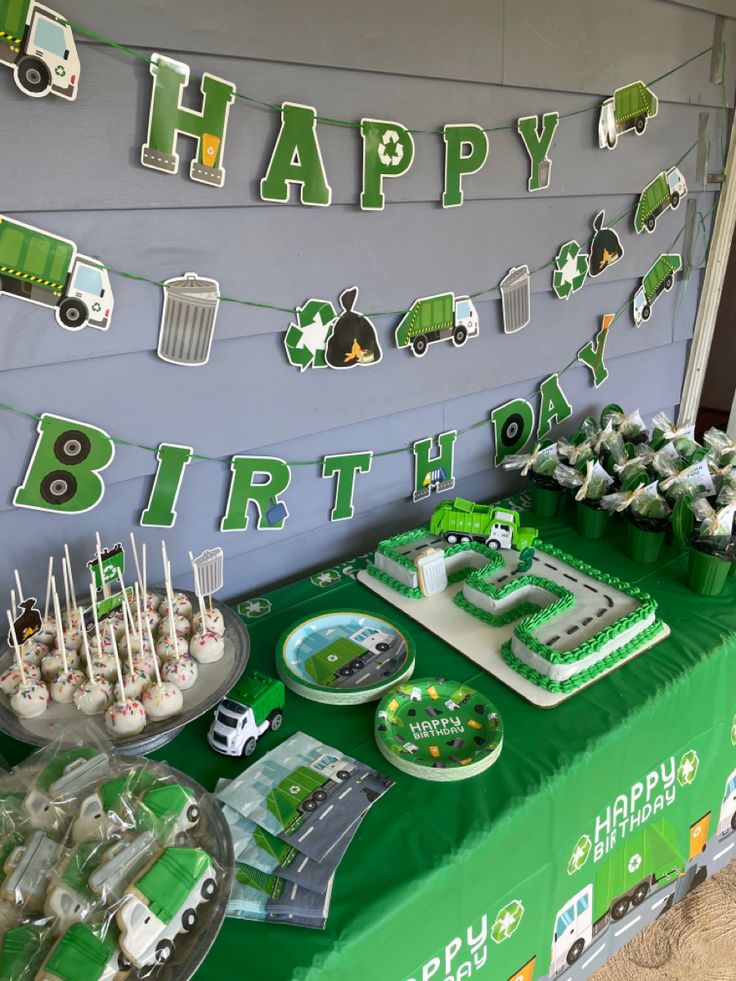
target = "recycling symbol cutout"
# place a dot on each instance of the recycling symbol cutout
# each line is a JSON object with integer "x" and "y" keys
{"x": 306, "y": 340}
{"x": 390, "y": 149}
{"x": 571, "y": 270}
{"x": 688, "y": 768}
{"x": 580, "y": 854}
{"x": 507, "y": 921}
{"x": 634, "y": 862}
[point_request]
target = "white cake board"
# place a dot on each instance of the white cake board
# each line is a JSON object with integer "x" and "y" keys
{"x": 479, "y": 641}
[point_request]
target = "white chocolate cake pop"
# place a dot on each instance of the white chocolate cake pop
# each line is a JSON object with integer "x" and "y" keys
{"x": 167, "y": 647}
{"x": 30, "y": 700}
{"x": 145, "y": 664}
{"x": 53, "y": 663}
{"x": 64, "y": 685}
{"x": 180, "y": 603}
{"x": 93, "y": 696}
{"x": 152, "y": 618}
{"x": 182, "y": 671}
{"x": 11, "y": 677}
{"x": 125, "y": 717}
{"x": 214, "y": 622}
{"x": 33, "y": 650}
{"x": 182, "y": 626}
{"x": 162, "y": 700}
{"x": 134, "y": 684}
{"x": 207, "y": 647}
{"x": 103, "y": 666}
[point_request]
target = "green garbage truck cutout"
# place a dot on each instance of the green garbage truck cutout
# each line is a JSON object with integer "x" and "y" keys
{"x": 645, "y": 861}
{"x": 437, "y": 318}
{"x": 628, "y": 108}
{"x": 666, "y": 191}
{"x": 464, "y": 521}
{"x": 47, "y": 270}
{"x": 38, "y": 44}
{"x": 660, "y": 277}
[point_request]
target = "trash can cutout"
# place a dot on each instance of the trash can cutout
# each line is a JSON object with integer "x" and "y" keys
{"x": 516, "y": 299}
{"x": 188, "y": 318}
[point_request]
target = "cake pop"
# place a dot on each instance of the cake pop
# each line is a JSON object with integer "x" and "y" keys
{"x": 163, "y": 699}
{"x": 182, "y": 671}
{"x": 135, "y": 679}
{"x": 126, "y": 716}
{"x": 30, "y": 698}
{"x": 182, "y": 606}
{"x": 94, "y": 695}
{"x": 11, "y": 677}
{"x": 207, "y": 647}
{"x": 177, "y": 624}
{"x": 169, "y": 647}
{"x": 212, "y": 619}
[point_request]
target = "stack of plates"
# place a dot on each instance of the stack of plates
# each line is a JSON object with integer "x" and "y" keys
{"x": 438, "y": 730}
{"x": 344, "y": 657}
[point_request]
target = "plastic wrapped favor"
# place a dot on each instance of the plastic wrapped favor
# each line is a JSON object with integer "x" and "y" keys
{"x": 682, "y": 438}
{"x": 108, "y": 863}
{"x": 631, "y": 427}
{"x": 720, "y": 446}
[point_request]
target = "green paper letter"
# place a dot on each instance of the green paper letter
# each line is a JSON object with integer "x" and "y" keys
{"x": 169, "y": 118}
{"x": 244, "y": 489}
{"x": 436, "y": 472}
{"x": 346, "y": 466}
{"x": 537, "y": 145}
{"x": 592, "y": 354}
{"x": 513, "y": 426}
{"x": 172, "y": 461}
{"x": 460, "y": 161}
{"x": 63, "y": 474}
{"x": 297, "y": 159}
{"x": 553, "y": 405}
{"x": 388, "y": 151}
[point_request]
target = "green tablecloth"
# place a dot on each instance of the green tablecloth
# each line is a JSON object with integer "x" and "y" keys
{"x": 616, "y": 788}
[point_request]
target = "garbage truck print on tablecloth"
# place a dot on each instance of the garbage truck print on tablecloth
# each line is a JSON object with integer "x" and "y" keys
{"x": 39, "y": 46}
{"x": 48, "y": 270}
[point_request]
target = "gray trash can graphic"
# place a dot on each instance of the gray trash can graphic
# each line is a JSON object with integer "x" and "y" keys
{"x": 188, "y": 319}
{"x": 515, "y": 299}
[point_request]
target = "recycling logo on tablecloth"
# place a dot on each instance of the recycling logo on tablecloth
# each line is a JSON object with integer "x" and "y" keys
{"x": 580, "y": 853}
{"x": 507, "y": 921}
{"x": 634, "y": 862}
{"x": 571, "y": 270}
{"x": 688, "y": 768}
{"x": 390, "y": 149}
{"x": 305, "y": 341}
{"x": 326, "y": 578}
{"x": 733, "y": 731}
{"x": 254, "y": 608}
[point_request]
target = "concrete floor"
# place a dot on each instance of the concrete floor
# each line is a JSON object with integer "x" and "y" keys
{"x": 695, "y": 940}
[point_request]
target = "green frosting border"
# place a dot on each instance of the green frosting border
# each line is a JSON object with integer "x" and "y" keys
{"x": 533, "y": 617}
{"x": 588, "y": 674}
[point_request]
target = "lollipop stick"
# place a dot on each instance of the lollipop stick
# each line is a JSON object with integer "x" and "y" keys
{"x": 87, "y": 657}
{"x": 155, "y": 659}
{"x": 14, "y": 639}
{"x": 60, "y": 631}
{"x": 135, "y": 559}
{"x": 93, "y": 597}
{"x": 143, "y": 581}
{"x": 139, "y": 616}
{"x": 18, "y": 586}
{"x": 65, "y": 572}
{"x": 72, "y": 590}
{"x": 127, "y": 640}
{"x": 48, "y": 588}
{"x": 118, "y": 668}
{"x": 105, "y": 586}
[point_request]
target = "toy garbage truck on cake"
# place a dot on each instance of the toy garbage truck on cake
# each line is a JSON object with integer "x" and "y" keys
{"x": 48, "y": 270}
{"x": 437, "y": 318}
{"x": 251, "y": 707}
{"x": 38, "y": 44}
{"x": 163, "y": 902}
{"x": 666, "y": 191}
{"x": 660, "y": 277}
{"x": 628, "y": 108}
{"x": 464, "y": 521}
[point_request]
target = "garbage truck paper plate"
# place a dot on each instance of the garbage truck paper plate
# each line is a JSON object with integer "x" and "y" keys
{"x": 343, "y": 658}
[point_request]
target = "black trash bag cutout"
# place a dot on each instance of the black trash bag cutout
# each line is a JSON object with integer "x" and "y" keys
{"x": 353, "y": 340}
{"x": 605, "y": 247}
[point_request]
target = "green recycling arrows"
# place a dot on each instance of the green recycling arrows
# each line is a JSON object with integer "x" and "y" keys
{"x": 571, "y": 270}
{"x": 305, "y": 341}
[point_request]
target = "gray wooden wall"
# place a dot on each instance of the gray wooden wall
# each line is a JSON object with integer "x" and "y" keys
{"x": 73, "y": 169}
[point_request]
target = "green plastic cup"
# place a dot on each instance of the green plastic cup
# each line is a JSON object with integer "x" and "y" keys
{"x": 545, "y": 501}
{"x": 642, "y": 545}
{"x": 591, "y": 522}
{"x": 706, "y": 574}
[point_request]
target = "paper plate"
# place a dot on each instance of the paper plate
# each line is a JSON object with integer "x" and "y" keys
{"x": 438, "y": 729}
{"x": 344, "y": 657}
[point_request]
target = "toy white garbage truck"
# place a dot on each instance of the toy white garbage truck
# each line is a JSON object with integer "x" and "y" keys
{"x": 437, "y": 318}
{"x": 48, "y": 270}
{"x": 163, "y": 903}
{"x": 249, "y": 709}
{"x": 39, "y": 46}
